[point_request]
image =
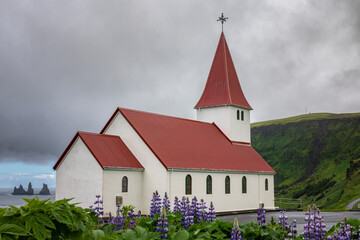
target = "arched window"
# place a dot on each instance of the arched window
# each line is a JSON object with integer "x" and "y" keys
{"x": 227, "y": 185}
{"x": 244, "y": 184}
{"x": 188, "y": 185}
{"x": 266, "y": 184}
{"x": 242, "y": 115}
{"x": 124, "y": 184}
{"x": 208, "y": 185}
{"x": 238, "y": 115}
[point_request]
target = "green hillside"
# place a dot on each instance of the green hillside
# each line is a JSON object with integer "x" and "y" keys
{"x": 311, "y": 154}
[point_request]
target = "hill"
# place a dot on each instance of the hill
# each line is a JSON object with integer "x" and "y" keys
{"x": 312, "y": 154}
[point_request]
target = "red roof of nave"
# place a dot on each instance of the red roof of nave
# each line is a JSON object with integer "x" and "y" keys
{"x": 222, "y": 86}
{"x": 188, "y": 144}
{"x": 108, "y": 150}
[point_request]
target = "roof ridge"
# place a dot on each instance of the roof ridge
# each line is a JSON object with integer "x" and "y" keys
{"x": 226, "y": 67}
{"x": 162, "y": 115}
{"x": 97, "y": 134}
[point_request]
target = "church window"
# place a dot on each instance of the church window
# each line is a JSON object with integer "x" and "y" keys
{"x": 266, "y": 184}
{"x": 238, "y": 115}
{"x": 227, "y": 185}
{"x": 188, "y": 185}
{"x": 244, "y": 190}
{"x": 242, "y": 115}
{"x": 208, "y": 185}
{"x": 124, "y": 184}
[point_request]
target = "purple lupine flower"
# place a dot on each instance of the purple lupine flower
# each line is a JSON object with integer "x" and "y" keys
{"x": 162, "y": 225}
{"x": 166, "y": 202}
{"x": 155, "y": 206}
{"x": 261, "y": 216}
{"x": 235, "y": 233}
{"x": 118, "y": 220}
{"x": 282, "y": 220}
{"x": 193, "y": 208}
{"x": 99, "y": 210}
{"x": 131, "y": 219}
{"x": 202, "y": 211}
{"x": 292, "y": 230}
{"x": 211, "y": 214}
{"x": 188, "y": 217}
{"x": 177, "y": 206}
{"x": 314, "y": 227}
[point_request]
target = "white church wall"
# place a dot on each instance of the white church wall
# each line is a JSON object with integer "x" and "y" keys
{"x": 155, "y": 174}
{"x": 113, "y": 188}
{"x": 225, "y": 117}
{"x": 267, "y": 197}
{"x": 236, "y": 200}
{"x": 79, "y": 176}
{"x": 240, "y": 129}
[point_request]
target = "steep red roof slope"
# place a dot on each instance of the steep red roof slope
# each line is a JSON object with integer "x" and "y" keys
{"x": 222, "y": 86}
{"x": 188, "y": 144}
{"x": 108, "y": 150}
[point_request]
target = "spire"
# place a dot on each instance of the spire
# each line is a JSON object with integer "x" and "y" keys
{"x": 222, "y": 86}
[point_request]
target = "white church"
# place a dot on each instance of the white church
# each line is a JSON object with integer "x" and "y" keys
{"x": 137, "y": 153}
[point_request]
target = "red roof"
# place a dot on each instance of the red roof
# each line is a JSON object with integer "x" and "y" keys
{"x": 222, "y": 86}
{"x": 108, "y": 150}
{"x": 182, "y": 143}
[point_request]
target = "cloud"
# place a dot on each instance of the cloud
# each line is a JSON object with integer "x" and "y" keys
{"x": 45, "y": 176}
{"x": 66, "y": 66}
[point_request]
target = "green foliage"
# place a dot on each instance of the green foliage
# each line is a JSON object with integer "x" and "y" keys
{"x": 311, "y": 154}
{"x": 45, "y": 220}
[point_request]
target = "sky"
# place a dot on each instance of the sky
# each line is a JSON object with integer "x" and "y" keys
{"x": 66, "y": 65}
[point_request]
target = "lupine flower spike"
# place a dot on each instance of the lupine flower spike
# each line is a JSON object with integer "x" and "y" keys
{"x": 166, "y": 203}
{"x": 98, "y": 209}
{"x": 177, "y": 206}
{"x": 211, "y": 213}
{"x": 155, "y": 206}
{"x": 162, "y": 225}
{"x": 235, "y": 233}
{"x": 261, "y": 216}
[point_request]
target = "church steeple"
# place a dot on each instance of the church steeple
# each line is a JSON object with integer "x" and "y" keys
{"x": 223, "y": 101}
{"x": 222, "y": 86}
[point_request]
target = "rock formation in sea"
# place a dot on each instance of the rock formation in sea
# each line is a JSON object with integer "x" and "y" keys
{"x": 21, "y": 190}
{"x": 45, "y": 190}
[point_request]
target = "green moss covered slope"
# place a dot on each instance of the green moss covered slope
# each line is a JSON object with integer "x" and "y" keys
{"x": 312, "y": 154}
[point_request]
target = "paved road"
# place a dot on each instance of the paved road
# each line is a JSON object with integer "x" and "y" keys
{"x": 352, "y": 204}
{"x": 331, "y": 218}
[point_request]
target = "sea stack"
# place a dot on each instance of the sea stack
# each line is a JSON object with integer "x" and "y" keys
{"x": 21, "y": 190}
{"x": 45, "y": 190}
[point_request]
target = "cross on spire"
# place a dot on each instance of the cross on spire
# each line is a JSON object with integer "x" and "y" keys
{"x": 222, "y": 19}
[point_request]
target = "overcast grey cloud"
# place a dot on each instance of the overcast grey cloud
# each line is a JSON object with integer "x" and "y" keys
{"x": 66, "y": 65}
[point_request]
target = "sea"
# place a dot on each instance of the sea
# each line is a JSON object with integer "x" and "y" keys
{"x": 7, "y": 199}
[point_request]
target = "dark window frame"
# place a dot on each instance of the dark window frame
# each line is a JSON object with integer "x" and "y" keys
{"x": 124, "y": 184}
{"x": 244, "y": 184}
{"x": 242, "y": 115}
{"x": 266, "y": 184}
{"x": 188, "y": 185}
{"x": 208, "y": 184}
{"x": 227, "y": 185}
{"x": 238, "y": 114}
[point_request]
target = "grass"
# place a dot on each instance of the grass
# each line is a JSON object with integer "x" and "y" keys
{"x": 306, "y": 153}
{"x": 305, "y": 117}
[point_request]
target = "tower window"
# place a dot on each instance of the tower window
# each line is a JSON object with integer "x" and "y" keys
{"x": 188, "y": 185}
{"x": 244, "y": 190}
{"x": 125, "y": 184}
{"x": 266, "y": 184}
{"x": 208, "y": 185}
{"x": 227, "y": 185}
{"x": 242, "y": 115}
{"x": 238, "y": 115}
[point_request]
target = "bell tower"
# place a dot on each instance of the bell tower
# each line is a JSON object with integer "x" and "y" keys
{"x": 223, "y": 101}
